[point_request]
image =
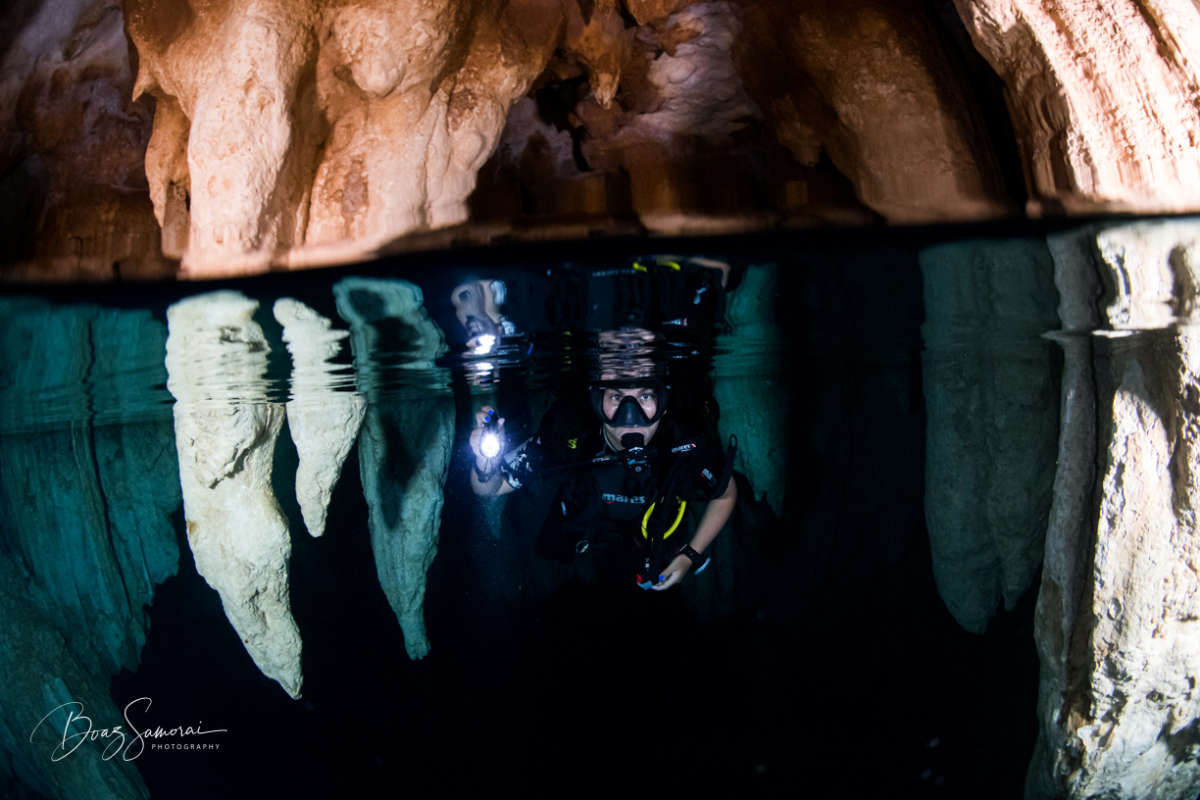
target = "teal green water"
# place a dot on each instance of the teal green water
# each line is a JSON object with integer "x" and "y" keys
{"x": 818, "y": 641}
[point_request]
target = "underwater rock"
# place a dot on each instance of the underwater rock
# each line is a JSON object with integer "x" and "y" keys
{"x": 992, "y": 421}
{"x": 87, "y": 506}
{"x": 1102, "y": 99}
{"x": 1118, "y": 707}
{"x": 225, "y": 432}
{"x": 745, "y": 407}
{"x": 43, "y": 670}
{"x": 1070, "y": 524}
{"x": 407, "y": 437}
{"x": 323, "y": 422}
{"x": 87, "y": 534}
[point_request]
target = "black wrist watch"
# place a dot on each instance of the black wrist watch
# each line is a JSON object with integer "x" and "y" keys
{"x": 698, "y": 560}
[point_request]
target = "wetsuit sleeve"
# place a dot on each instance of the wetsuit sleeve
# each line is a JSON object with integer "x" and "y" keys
{"x": 711, "y": 471}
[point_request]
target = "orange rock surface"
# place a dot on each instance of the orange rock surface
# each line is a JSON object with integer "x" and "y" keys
{"x": 263, "y": 133}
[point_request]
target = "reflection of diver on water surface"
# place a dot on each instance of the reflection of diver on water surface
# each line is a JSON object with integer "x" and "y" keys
{"x": 623, "y": 485}
{"x": 478, "y": 306}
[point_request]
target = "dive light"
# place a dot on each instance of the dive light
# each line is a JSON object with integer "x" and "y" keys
{"x": 489, "y": 443}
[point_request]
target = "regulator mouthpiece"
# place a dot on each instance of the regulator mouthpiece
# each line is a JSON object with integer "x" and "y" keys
{"x": 634, "y": 445}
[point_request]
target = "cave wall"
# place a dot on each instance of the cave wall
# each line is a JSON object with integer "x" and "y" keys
{"x": 238, "y": 135}
{"x": 1102, "y": 97}
{"x": 87, "y": 495}
{"x": 73, "y": 189}
{"x": 1118, "y": 709}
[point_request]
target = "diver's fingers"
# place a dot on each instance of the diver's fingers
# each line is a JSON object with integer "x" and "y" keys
{"x": 481, "y": 416}
{"x": 671, "y": 577}
{"x": 674, "y": 573}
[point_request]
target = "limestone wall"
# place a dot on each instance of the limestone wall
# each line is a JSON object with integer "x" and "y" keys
{"x": 300, "y": 132}
{"x": 1118, "y": 706}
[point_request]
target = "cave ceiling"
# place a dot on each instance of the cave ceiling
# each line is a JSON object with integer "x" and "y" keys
{"x": 215, "y": 137}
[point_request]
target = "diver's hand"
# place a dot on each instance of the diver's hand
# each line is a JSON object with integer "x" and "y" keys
{"x": 674, "y": 573}
{"x": 484, "y": 464}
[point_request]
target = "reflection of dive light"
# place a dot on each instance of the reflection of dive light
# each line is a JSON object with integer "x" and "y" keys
{"x": 489, "y": 443}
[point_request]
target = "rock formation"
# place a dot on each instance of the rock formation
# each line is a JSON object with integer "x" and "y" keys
{"x": 1102, "y": 98}
{"x": 302, "y": 132}
{"x": 991, "y": 420}
{"x": 76, "y": 493}
{"x": 323, "y": 421}
{"x": 1118, "y": 708}
{"x": 325, "y": 126}
{"x": 746, "y": 409}
{"x": 871, "y": 85}
{"x": 225, "y": 432}
{"x": 87, "y": 534}
{"x": 43, "y": 670}
{"x": 682, "y": 99}
{"x": 405, "y": 447}
{"x": 73, "y": 189}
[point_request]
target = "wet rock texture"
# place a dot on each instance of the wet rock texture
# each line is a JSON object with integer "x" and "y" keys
{"x": 405, "y": 446}
{"x": 1120, "y": 598}
{"x": 87, "y": 536}
{"x": 1102, "y": 98}
{"x": 43, "y": 671}
{"x": 75, "y": 492}
{"x": 989, "y": 389}
{"x": 745, "y": 409}
{"x": 225, "y": 436}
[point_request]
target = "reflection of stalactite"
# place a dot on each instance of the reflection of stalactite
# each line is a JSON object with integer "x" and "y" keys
{"x": 1120, "y": 596}
{"x": 404, "y": 449}
{"x": 747, "y": 410}
{"x": 225, "y": 434}
{"x": 323, "y": 421}
{"x": 991, "y": 420}
{"x": 87, "y": 533}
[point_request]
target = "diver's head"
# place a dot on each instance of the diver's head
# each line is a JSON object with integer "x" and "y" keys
{"x": 477, "y": 305}
{"x": 627, "y": 407}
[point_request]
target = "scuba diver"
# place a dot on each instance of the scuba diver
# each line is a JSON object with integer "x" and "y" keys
{"x": 625, "y": 471}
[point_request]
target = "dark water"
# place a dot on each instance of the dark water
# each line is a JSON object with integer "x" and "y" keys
{"x": 816, "y": 657}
